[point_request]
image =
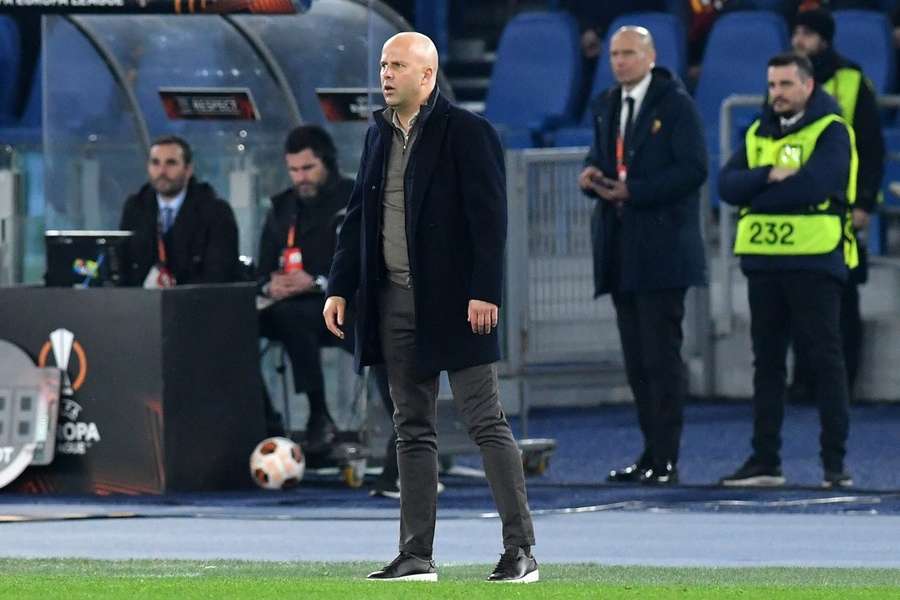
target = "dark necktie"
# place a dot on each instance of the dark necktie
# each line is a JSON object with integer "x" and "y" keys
{"x": 167, "y": 218}
{"x": 629, "y": 122}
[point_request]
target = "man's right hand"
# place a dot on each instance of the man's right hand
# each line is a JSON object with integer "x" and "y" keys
{"x": 284, "y": 285}
{"x": 334, "y": 315}
{"x": 590, "y": 179}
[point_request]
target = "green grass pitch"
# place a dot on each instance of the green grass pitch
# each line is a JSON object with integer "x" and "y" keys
{"x": 187, "y": 580}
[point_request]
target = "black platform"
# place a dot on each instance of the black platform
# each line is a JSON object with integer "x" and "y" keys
{"x": 166, "y": 388}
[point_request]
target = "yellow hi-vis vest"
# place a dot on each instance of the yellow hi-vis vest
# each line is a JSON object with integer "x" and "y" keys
{"x": 844, "y": 87}
{"x": 819, "y": 230}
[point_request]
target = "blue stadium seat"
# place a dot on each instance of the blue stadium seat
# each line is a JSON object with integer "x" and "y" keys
{"x": 10, "y": 59}
{"x": 784, "y": 7}
{"x": 864, "y": 37}
{"x": 734, "y": 62}
{"x": 535, "y": 78}
{"x": 671, "y": 52}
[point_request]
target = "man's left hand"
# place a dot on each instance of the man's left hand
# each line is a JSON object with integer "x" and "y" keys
{"x": 613, "y": 190}
{"x": 779, "y": 174}
{"x": 482, "y": 316}
{"x": 291, "y": 284}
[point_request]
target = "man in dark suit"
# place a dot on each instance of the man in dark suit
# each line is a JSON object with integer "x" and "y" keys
{"x": 183, "y": 233}
{"x": 422, "y": 250}
{"x": 645, "y": 170}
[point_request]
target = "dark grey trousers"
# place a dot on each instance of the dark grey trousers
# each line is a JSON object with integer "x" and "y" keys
{"x": 477, "y": 399}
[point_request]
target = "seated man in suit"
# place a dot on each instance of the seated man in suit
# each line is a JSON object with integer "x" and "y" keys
{"x": 183, "y": 233}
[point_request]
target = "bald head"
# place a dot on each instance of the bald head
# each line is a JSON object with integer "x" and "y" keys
{"x": 417, "y": 45}
{"x": 631, "y": 54}
{"x": 637, "y": 34}
{"x": 409, "y": 67}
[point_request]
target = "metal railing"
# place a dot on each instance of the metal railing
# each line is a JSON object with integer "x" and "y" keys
{"x": 551, "y": 311}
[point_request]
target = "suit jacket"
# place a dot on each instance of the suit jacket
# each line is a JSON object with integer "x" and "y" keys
{"x": 317, "y": 224}
{"x": 656, "y": 242}
{"x": 201, "y": 246}
{"x": 456, "y": 233}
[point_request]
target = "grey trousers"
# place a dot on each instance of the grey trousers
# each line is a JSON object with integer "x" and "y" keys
{"x": 477, "y": 399}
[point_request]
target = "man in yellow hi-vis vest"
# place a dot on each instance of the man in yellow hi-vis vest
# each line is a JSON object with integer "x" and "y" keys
{"x": 813, "y": 37}
{"x": 794, "y": 180}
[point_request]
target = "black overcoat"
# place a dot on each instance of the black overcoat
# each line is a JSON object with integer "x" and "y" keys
{"x": 455, "y": 191}
{"x": 660, "y": 243}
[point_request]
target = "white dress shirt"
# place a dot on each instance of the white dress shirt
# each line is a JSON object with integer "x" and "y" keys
{"x": 638, "y": 92}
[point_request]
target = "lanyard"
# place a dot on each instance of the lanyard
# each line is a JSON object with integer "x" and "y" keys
{"x": 292, "y": 232}
{"x": 160, "y": 245}
{"x": 621, "y": 168}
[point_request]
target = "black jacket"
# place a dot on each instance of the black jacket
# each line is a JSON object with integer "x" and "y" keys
{"x": 866, "y": 127}
{"x": 656, "y": 243}
{"x": 317, "y": 224}
{"x": 823, "y": 176}
{"x": 456, "y": 234}
{"x": 202, "y": 245}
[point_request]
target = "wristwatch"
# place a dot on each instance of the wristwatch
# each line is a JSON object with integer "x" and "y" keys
{"x": 321, "y": 282}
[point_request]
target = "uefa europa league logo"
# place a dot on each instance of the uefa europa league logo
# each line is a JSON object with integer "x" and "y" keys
{"x": 63, "y": 344}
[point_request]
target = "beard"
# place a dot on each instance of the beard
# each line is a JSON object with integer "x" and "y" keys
{"x": 307, "y": 191}
{"x": 168, "y": 187}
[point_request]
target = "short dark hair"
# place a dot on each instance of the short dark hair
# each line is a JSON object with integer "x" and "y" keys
{"x": 178, "y": 141}
{"x": 804, "y": 66}
{"x": 316, "y": 139}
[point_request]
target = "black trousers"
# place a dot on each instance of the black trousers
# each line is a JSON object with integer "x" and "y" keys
{"x": 805, "y": 307}
{"x": 851, "y": 333}
{"x": 390, "y": 472}
{"x": 477, "y": 399}
{"x": 298, "y": 324}
{"x": 650, "y": 331}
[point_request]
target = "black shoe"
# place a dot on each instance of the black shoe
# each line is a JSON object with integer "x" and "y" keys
{"x": 633, "y": 473}
{"x": 320, "y": 434}
{"x": 391, "y": 489}
{"x": 406, "y": 567}
{"x": 754, "y": 473}
{"x": 386, "y": 489}
{"x": 515, "y": 566}
{"x": 667, "y": 475}
{"x": 837, "y": 479}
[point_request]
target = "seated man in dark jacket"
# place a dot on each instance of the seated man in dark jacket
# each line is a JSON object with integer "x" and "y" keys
{"x": 295, "y": 252}
{"x": 183, "y": 233}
